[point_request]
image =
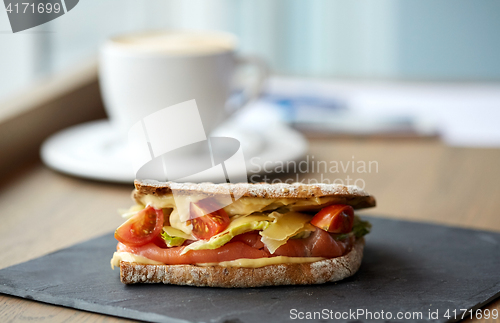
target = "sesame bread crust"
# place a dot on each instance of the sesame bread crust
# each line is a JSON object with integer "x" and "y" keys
{"x": 349, "y": 194}
{"x": 328, "y": 270}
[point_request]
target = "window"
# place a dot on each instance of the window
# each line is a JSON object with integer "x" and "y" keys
{"x": 445, "y": 40}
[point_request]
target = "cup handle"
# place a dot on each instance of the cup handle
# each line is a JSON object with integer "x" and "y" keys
{"x": 252, "y": 90}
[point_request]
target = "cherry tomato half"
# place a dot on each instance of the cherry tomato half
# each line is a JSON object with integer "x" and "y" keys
{"x": 142, "y": 228}
{"x": 208, "y": 218}
{"x": 337, "y": 218}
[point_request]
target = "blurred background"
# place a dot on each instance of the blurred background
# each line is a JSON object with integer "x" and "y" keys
{"x": 412, "y": 86}
{"x": 375, "y": 43}
{"x": 417, "y": 40}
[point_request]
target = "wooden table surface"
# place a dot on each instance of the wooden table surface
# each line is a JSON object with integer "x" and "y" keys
{"x": 42, "y": 211}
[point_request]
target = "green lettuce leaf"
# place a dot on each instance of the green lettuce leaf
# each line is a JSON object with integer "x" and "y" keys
{"x": 172, "y": 241}
{"x": 359, "y": 229}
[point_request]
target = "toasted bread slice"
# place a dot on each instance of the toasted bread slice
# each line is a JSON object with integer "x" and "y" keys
{"x": 351, "y": 195}
{"x": 328, "y": 270}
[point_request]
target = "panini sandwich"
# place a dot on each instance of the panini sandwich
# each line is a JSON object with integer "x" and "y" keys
{"x": 267, "y": 234}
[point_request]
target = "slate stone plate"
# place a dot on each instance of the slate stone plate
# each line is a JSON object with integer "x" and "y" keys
{"x": 408, "y": 267}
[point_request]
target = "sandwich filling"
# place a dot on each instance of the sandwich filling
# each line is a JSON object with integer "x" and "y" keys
{"x": 250, "y": 232}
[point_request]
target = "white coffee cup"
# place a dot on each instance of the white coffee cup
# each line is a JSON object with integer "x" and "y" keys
{"x": 142, "y": 73}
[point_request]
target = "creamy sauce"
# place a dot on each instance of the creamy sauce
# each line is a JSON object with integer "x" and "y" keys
{"x": 175, "y": 222}
{"x": 128, "y": 257}
{"x": 238, "y": 263}
{"x": 256, "y": 263}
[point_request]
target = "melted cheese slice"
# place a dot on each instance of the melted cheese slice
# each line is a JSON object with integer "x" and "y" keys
{"x": 242, "y": 206}
{"x": 177, "y": 223}
{"x": 285, "y": 226}
{"x": 261, "y": 262}
{"x": 238, "y": 263}
{"x": 129, "y": 257}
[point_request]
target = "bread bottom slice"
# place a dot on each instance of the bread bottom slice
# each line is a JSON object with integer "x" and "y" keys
{"x": 319, "y": 272}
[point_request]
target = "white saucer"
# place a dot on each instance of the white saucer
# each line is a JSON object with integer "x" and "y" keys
{"x": 92, "y": 150}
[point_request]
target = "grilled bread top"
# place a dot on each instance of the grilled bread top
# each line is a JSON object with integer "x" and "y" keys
{"x": 350, "y": 194}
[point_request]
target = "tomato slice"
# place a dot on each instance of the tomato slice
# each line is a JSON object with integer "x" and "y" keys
{"x": 337, "y": 218}
{"x": 142, "y": 228}
{"x": 208, "y": 218}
